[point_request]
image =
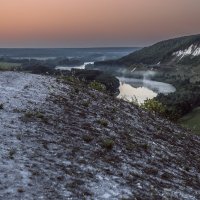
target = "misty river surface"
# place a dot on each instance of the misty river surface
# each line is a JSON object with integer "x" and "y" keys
{"x": 132, "y": 88}
{"x": 142, "y": 89}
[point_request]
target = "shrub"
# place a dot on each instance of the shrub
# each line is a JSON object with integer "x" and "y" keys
{"x": 19, "y": 136}
{"x": 87, "y": 138}
{"x": 154, "y": 105}
{"x": 103, "y": 122}
{"x": 28, "y": 114}
{"x": 20, "y": 190}
{"x": 12, "y": 152}
{"x": 97, "y": 86}
{"x": 37, "y": 114}
{"x": 1, "y": 106}
{"x": 86, "y": 104}
{"x": 108, "y": 144}
{"x": 71, "y": 79}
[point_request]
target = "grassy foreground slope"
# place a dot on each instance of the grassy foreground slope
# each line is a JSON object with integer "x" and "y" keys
{"x": 62, "y": 140}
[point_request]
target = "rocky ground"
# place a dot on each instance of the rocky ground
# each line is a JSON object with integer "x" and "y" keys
{"x": 65, "y": 141}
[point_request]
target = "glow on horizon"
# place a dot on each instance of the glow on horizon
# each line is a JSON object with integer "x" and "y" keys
{"x": 96, "y": 22}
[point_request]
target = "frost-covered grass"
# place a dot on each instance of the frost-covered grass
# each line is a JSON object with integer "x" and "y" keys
{"x": 15, "y": 100}
{"x": 109, "y": 149}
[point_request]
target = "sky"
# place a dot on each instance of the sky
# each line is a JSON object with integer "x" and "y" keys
{"x": 87, "y": 23}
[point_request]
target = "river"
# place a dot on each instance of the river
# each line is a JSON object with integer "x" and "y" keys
{"x": 142, "y": 89}
{"x": 136, "y": 89}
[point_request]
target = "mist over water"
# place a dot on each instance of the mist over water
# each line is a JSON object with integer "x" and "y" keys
{"x": 142, "y": 89}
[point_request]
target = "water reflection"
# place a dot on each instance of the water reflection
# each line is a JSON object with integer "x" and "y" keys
{"x": 142, "y": 89}
{"x": 129, "y": 93}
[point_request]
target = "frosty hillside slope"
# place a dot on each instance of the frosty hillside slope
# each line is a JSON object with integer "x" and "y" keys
{"x": 65, "y": 141}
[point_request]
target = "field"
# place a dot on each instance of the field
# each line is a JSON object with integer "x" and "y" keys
{"x": 192, "y": 120}
{"x": 4, "y": 66}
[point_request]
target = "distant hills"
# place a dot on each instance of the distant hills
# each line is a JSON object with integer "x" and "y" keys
{"x": 183, "y": 51}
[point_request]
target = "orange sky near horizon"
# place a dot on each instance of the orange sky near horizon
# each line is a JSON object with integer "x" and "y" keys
{"x": 96, "y": 22}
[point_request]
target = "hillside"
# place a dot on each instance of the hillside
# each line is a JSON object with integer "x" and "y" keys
{"x": 62, "y": 140}
{"x": 183, "y": 50}
{"x": 175, "y": 61}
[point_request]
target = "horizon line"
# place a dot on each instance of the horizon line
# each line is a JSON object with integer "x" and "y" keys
{"x": 89, "y": 47}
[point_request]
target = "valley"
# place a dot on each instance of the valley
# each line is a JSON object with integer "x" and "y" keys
{"x": 136, "y": 71}
{"x": 175, "y": 61}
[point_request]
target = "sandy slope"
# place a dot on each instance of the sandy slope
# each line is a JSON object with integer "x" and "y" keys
{"x": 53, "y": 136}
